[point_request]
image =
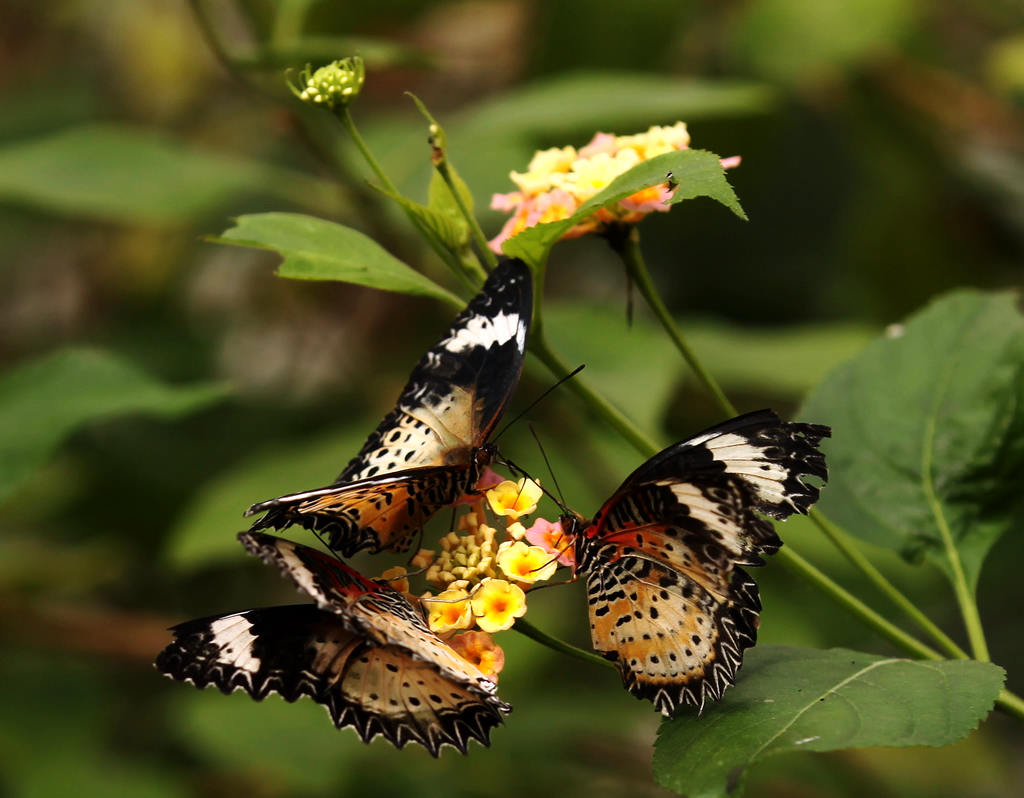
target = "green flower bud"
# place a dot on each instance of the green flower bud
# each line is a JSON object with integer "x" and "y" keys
{"x": 333, "y": 86}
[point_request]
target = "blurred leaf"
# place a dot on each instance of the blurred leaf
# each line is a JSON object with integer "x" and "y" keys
{"x": 204, "y": 532}
{"x": 793, "y": 699}
{"x": 316, "y": 249}
{"x": 600, "y": 101}
{"x": 294, "y": 747}
{"x": 778, "y": 360}
{"x": 928, "y": 431}
{"x": 44, "y": 400}
{"x": 124, "y": 174}
{"x": 698, "y": 174}
{"x": 620, "y": 358}
{"x": 798, "y": 40}
{"x": 376, "y": 52}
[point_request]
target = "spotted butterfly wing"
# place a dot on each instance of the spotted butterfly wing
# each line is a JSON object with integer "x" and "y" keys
{"x": 430, "y": 449}
{"x": 670, "y": 604}
{"x": 362, "y": 651}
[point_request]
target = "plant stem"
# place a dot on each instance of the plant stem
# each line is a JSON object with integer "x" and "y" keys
{"x": 625, "y": 240}
{"x": 866, "y": 567}
{"x": 449, "y": 258}
{"x": 1010, "y": 704}
{"x": 474, "y": 226}
{"x": 597, "y": 403}
{"x": 789, "y": 558}
{"x": 526, "y": 628}
{"x": 968, "y": 604}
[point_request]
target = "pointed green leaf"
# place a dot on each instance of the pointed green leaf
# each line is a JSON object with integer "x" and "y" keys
{"x": 440, "y": 196}
{"x": 125, "y": 174}
{"x": 697, "y": 173}
{"x": 447, "y": 231}
{"x": 928, "y": 432}
{"x": 316, "y": 249}
{"x": 796, "y": 699}
{"x": 45, "y": 400}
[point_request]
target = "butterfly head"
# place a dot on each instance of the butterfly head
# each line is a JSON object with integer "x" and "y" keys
{"x": 484, "y": 455}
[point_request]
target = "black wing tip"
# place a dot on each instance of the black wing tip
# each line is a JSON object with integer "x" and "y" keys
{"x": 454, "y": 729}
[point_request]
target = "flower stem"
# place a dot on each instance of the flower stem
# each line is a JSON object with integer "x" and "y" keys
{"x": 840, "y": 540}
{"x": 474, "y": 226}
{"x": 797, "y": 564}
{"x": 625, "y": 240}
{"x": 449, "y": 257}
{"x": 1010, "y": 704}
{"x": 526, "y": 628}
{"x": 597, "y": 403}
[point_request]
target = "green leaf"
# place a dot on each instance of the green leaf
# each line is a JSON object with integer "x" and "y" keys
{"x": 928, "y": 432}
{"x": 796, "y": 699}
{"x": 45, "y": 400}
{"x": 698, "y": 174}
{"x": 316, "y": 249}
{"x": 124, "y": 174}
{"x": 619, "y": 357}
{"x": 592, "y": 101}
{"x": 800, "y": 40}
{"x": 448, "y": 232}
{"x": 297, "y": 744}
{"x": 440, "y": 196}
{"x": 203, "y": 534}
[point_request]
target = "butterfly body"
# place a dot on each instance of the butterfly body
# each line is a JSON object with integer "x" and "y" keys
{"x": 669, "y": 602}
{"x": 363, "y": 651}
{"x": 431, "y": 449}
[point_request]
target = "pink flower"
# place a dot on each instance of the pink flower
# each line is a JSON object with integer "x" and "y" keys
{"x": 550, "y": 537}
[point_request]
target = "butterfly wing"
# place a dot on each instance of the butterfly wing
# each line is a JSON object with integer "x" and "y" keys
{"x": 674, "y": 639}
{"x": 303, "y": 650}
{"x": 377, "y": 513}
{"x": 455, "y": 396}
{"x": 683, "y": 523}
{"x": 375, "y": 609}
{"x": 459, "y": 389}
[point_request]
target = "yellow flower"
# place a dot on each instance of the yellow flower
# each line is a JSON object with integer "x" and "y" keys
{"x": 514, "y": 499}
{"x": 480, "y": 649}
{"x": 515, "y": 530}
{"x": 449, "y": 610}
{"x": 397, "y": 578}
{"x": 525, "y": 563}
{"x": 496, "y": 605}
{"x": 423, "y": 559}
{"x": 545, "y": 169}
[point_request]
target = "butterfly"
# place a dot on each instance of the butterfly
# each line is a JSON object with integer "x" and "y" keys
{"x": 431, "y": 449}
{"x": 669, "y": 603}
{"x": 362, "y": 650}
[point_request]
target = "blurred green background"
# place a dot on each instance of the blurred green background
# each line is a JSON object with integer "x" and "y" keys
{"x": 155, "y": 384}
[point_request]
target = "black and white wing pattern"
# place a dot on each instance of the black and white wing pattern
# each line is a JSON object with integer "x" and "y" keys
{"x": 362, "y": 651}
{"x": 430, "y": 449}
{"x": 669, "y": 603}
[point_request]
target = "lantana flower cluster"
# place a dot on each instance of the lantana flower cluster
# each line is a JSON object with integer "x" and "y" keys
{"x": 482, "y": 575}
{"x": 561, "y": 179}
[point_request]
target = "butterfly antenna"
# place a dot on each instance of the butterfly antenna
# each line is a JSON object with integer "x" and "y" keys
{"x": 547, "y": 462}
{"x": 539, "y": 399}
{"x": 320, "y": 537}
{"x": 523, "y": 472}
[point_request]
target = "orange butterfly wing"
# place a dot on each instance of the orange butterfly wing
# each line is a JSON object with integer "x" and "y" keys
{"x": 429, "y": 450}
{"x": 363, "y": 651}
{"x": 669, "y": 603}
